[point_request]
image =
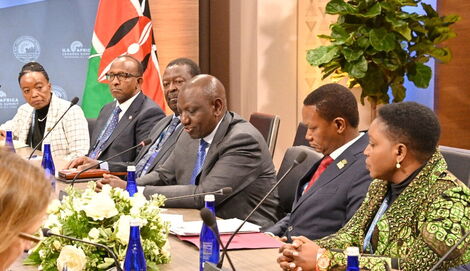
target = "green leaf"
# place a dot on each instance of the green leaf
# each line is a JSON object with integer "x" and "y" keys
{"x": 340, "y": 7}
{"x": 443, "y": 54}
{"x": 357, "y": 69}
{"x": 450, "y": 19}
{"x": 382, "y": 40}
{"x": 398, "y": 90}
{"x": 324, "y": 37}
{"x": 374, "y": 11}
{"x": 420, "y": 75}
{"x": 352, "y": 54}
{"x": 405, "y": 31}
{"x": 339, "y": 34}
{"x": 429, "y": 10}
{"x": 363, "y": 42}
{"x": 321, "y": 55}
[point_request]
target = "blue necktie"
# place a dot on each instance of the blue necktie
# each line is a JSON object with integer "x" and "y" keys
{"x": 201, "y": 155}
{"x": 144, "y": 163}
{"x": 110, "y": 126}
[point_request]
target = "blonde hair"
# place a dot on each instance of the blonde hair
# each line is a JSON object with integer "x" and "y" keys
{"x": 24, "y": 195}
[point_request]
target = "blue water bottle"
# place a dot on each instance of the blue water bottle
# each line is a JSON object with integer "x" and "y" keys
{"x": 9, "y": 141}
{"x": 353, "y": 259}
{"x": 131, "y": 186}
{"x": 48, "y": 164}
{"x": 209, "y": 246}
{"x": 135, "y": 258}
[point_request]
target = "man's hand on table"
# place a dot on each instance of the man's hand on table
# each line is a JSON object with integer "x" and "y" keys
{"x": 3, "y": 134}
{"x": 81, "y": 163}
{"x": 112, "y": 180}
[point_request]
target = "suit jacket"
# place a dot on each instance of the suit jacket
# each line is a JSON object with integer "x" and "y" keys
{"x": 333, "y": 198}
{"x": 165, "y": 150}
{"x": 425, "y": 220}
{"x": 238, "y": 158}
{"x": 133, "y": 127}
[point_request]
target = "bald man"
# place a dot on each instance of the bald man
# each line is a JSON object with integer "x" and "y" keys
{"x": 217, "y": 149}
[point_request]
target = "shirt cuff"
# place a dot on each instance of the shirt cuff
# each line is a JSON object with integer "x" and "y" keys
{"x": 104, "y": 165}
{"x": 140, "y": 189}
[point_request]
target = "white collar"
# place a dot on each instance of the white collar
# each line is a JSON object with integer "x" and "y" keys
{"x": 336, "y": 153}
{"x": 125, "y": 105}
{"x": 211, "y": 136}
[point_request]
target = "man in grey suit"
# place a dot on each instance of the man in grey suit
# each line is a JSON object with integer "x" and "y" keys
{"x": 125, "y": 122}
{"x": 167, "y": 131}
{"x": 332, "y": 190}
{"x": 218, "y": 149}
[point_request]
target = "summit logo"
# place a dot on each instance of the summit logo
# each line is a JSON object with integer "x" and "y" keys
{"x": 76, "y": 50}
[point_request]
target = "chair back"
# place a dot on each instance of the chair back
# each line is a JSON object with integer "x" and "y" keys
{"x": 268, "y": 126}
{"x": 287, "y": 188}
{"x": 299, "y": 139}
{"x": 458, "y": 162}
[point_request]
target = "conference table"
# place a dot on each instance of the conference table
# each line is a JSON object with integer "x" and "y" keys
{"x": 184, "y": 256}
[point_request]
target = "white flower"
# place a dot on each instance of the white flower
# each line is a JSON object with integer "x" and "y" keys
{"x": 101, "y": 206}
{"x": 77, "y": 204}
{"x": 53, "y": 206}
{"x": 123, "y": 228}
{"x": 166, "y": 249}
{"x": 94, "y": 233}
{"x": 72, "y": 257}
{"x": 106, "y": 189}
{"x": 52, "y": 220}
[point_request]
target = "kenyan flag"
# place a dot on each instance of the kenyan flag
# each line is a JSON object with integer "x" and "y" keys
{"x": 122, "y": 27}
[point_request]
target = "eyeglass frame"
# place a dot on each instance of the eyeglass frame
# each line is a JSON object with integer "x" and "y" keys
{"x": 120, "y": 76}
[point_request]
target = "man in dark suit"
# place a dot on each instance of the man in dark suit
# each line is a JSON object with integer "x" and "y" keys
{"x": 128, "y": 120}
{"x": 218, "y": 149}
{"x": 332, "y": 190}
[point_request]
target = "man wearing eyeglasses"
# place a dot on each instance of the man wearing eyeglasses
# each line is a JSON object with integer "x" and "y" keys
{"x": 126, "y": 121}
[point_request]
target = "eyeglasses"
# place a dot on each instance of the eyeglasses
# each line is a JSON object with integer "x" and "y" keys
{"x": 29, "y": 237}
{"x": 120, "y": 76}
{"x": 177, "y": 82}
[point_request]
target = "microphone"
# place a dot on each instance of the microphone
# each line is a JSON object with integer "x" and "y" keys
{"x": 449, "y": 251}
{"x": 209, "y": 219}
{"x": 72, "y": 103}
{"x": 298, "y": 160}
{"x": 222, "y": 191}
{"x": 47, "y": 233}
{"x": 143, "y": 143}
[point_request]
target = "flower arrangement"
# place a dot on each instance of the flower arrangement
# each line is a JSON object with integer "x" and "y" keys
{"x": 101, "y": 217}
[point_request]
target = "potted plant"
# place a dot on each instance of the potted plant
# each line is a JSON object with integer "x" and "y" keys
{"x": 376, "y": 43}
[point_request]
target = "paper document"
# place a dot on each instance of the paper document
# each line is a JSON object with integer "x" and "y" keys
{"x": 224, "y": 226}
{"x": 16, "y": 143}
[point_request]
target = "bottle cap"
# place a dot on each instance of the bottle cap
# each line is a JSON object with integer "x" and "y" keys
{"x": 135, "y": 222}
{"x": 209, "y": 197}
{"x": 131, "y": 168}
{"x": 352, "y": 251}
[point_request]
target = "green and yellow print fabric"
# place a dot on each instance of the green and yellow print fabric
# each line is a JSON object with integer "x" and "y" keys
{"x": 420, "y": 226}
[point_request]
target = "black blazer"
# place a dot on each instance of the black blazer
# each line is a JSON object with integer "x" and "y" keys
{"x": 333, "y": 198}
{"x": 133, "y": 127}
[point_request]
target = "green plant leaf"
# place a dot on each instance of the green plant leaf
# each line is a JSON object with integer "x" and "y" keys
{"x": 382, "y": 40}
{"x": 324, "y": 37}
{"x": 340, "y": 7}
{"x": 398, "y": 90}
{"x": 363, "y": 42}
{"x": 443, "y": 54}
{"x": 339, "y": 34}
{"x": 352, "y": 54}
{"x": 373, "y": 11}
{"x": 450, "y": 19}
{"x": 420, "y": 75}
{"x": 429, "y": 10}
{"x": 357, "y": 69}
{"x": 405, "y": 31}
{"x": 321, "y": 55}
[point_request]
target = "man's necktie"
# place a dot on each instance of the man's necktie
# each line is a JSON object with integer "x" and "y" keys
{"x": 145, "y": 162}
{"x": 327, "y": 160}
{"x": 110, "y": 126}
{"x": 201, "y": 155}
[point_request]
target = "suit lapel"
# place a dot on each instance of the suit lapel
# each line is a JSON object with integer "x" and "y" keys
{"x": 154, "y": 135}
{"x": 130, "y": 115}
{"x": 335, "y": 169}
{"x": 167, "y": 146}
{"x": 101, "y": 122}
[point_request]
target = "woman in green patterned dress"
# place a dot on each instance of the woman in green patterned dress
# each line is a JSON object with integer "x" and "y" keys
{"x": 414, "y": 212}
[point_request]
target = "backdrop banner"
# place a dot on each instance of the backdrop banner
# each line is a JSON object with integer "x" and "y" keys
{"x": 55, "y": 33}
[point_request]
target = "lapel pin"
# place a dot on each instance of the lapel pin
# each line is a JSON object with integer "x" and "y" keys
{"x": 130, "y": 117}
{"x": 342, "y": 163}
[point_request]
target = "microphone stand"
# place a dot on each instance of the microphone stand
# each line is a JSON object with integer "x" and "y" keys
{"x": 72, "y": 103}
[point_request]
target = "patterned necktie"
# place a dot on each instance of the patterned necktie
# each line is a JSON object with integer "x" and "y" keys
{"x": 145, "y": 162}
{"x": 201, "y": 155}
{"x": 323, "y": 165}
{"x": 110, "y": 126}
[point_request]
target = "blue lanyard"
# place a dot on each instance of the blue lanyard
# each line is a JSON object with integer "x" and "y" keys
{"x": 367, "y": 246}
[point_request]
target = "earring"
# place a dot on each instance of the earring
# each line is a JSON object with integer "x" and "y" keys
{"x": 398, "y": 165}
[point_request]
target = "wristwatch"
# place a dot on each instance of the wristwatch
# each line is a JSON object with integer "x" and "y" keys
{"x": 323, "y": 261}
